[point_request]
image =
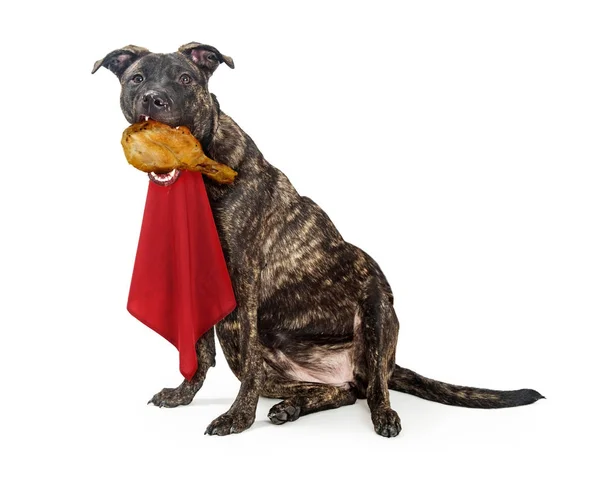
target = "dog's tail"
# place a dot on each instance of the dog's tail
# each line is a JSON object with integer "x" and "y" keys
{"x": 407, "y": 381}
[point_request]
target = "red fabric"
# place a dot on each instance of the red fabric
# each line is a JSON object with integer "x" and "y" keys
{"x": 180, "y": 286}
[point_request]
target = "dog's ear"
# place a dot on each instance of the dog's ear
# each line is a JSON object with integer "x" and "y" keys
{"x": 206, "y": 57}
{"x": 120, "y": 60}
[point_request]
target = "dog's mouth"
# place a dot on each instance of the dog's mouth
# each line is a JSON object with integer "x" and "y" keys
{"x": 162, "y": 179}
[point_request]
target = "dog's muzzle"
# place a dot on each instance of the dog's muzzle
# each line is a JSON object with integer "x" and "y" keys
{"x": 155, "y": 103}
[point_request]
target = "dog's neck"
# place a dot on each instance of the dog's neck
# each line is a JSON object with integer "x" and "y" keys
{"x": 230, "y": 145}
{"x": 227, "y": 142}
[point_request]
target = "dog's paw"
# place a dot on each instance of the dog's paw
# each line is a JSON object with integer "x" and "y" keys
{"x": 386, "y": 422}
{"x": 172, "y": 397}
{"x": 230, "y": 423}
{"x": 284, "y": 412}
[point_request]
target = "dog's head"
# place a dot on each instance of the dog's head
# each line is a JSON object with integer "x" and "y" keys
{"x": 170, "y": 88}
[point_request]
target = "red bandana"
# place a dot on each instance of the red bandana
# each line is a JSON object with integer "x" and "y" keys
{"x": 180, "y": 286}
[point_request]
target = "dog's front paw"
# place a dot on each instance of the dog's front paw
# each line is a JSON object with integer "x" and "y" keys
{"x": 386, "y": 422}
{"x": 172, "y": 397}
{"x": 230, "y": 423}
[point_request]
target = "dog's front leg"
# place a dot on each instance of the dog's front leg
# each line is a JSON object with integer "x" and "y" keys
{"x": 243, "y": 411}
{"x": 185, "y": 392}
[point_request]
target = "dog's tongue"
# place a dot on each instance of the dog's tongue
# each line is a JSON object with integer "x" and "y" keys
{"x": 180, "y": 286}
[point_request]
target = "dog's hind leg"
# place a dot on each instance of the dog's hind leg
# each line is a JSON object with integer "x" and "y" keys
{"x": 378, "y": 333}
{"x": 185, "y": 392}
{"x": 302, "y": 398}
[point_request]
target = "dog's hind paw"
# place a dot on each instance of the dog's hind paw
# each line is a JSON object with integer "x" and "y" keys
{"x": 386, "y": 422}
{"x": 284, "y": 412}
{"x": 172, "y": 397}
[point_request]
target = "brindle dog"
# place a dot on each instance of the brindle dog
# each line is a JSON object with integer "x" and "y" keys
{"x": 315, "y": 324}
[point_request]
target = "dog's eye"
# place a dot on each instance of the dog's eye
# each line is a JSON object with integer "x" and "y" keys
{"x": 185, "y": 79}
{"x": 137, "y": 78}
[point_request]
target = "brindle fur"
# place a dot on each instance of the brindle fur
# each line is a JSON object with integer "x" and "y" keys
{"x": 304, "y": 295}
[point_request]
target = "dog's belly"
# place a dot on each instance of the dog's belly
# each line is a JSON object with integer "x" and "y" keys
{"x": 319, "y": 365}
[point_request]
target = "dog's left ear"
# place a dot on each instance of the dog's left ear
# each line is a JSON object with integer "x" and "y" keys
{"x": 120, "y": 60}
{"x": 206, "y": 57}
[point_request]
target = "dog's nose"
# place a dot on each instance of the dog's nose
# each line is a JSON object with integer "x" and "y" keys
{"x": 154, "y": 99}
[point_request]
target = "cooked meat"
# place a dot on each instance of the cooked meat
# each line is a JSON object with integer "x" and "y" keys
{"x": 152, "y": 146}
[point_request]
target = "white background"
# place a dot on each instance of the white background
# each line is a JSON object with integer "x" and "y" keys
{"x": 456, "y": 142}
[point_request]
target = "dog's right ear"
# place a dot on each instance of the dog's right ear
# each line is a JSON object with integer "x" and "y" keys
{"x": 120, "y": 60}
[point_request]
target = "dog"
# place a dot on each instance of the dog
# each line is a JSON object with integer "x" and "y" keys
{"x": 315, "y": 324}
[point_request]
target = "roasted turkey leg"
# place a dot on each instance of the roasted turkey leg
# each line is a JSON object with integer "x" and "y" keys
{"x": 152, "y": 146}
